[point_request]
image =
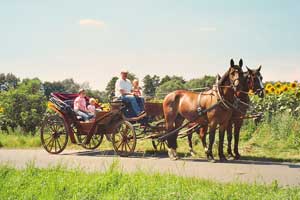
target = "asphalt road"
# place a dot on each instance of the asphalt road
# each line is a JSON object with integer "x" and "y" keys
{"x": 286, "y": 174}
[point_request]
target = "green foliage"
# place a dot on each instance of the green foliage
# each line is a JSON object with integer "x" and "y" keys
{"x": 170, "y": 86}
{"x": 110, "y": 87}
{"x": 150, "y": 85}
{"x": 8, "y": 81}
{"x": 277, "y": 138}
{"x": 24, "y": 106}
{"x": 206, "y": 81}
{"x": 65, "y": 86}
{"x": 273, "y": 104}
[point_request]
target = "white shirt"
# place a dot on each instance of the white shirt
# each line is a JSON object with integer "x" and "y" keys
{"x": 122, "y": 85}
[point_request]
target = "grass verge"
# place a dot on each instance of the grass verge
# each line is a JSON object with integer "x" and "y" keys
{"x": 61, "y": 183}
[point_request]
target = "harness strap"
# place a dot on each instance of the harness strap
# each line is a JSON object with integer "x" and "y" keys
{"x": 221, "y": 99}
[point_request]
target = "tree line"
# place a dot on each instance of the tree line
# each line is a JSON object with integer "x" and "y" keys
{"x": 23, "y": 103}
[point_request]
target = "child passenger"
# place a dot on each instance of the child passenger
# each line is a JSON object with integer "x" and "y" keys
{"x": 137, "y": 92}
{"x": 92, "y": 107}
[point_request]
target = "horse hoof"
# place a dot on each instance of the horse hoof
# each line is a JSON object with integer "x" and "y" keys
{"x": 193, "y": 154}
{"x": 230, "y": 156}
{"x": 223, "y": 159}
{"x": 210, "y": 158}
{"x": 237, "y": 156}
{"x": 172, "y": 154}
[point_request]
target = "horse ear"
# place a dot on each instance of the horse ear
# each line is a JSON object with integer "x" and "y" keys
{"x": 218, "y": 77}
{"x": 231, "y": 63}
{"x": 259, "y": 68}
{"x": 241, "y": 63}
{"x": 249, "y": 70}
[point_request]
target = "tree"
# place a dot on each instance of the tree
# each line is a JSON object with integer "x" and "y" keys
{"x": 24, "y": 106}
{"x": 110, "y": 88}
{"x": 168, "y": 87}
{"x": 50, "y": 87}
{"x": 165, "y": 79}
{"x": 150, "y": 85}
{"x": 12, "y": 80}
{"x": 70, "y": 86}
{"x": 200, "y": 83}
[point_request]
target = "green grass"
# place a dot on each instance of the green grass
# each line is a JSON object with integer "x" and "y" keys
{"x": 61, "y": 183}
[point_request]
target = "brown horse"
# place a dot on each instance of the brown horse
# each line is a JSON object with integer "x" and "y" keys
{"x": 252, "y": 81}
{"x": 215, "y": 104}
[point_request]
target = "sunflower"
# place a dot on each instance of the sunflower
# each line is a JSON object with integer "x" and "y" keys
{"x": 269, "y": 85}
{"x": 284, "y": 88}
{"x": 278, "y": 92}
{"x": 278, "y": 85}
{"x": 293, "y": 85}
{"x": 272, "y": 90}
{"x": 267, "y": 91}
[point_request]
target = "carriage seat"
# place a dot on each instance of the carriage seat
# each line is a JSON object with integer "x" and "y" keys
{"x": 70, "y": 103}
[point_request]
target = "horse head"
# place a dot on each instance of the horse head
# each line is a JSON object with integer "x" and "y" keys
{"x": 234, "y": 76}
{"x": 254, "y": 79}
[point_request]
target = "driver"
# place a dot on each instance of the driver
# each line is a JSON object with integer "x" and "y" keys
{"x": 123, "y": 90}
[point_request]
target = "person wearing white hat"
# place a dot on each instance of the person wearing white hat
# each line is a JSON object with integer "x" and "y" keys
{"x": 123, "y": 90}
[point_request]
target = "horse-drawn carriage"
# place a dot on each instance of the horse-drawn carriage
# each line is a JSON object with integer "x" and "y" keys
{"x": 220, "y": 107}
{"x": 64, "y": 124}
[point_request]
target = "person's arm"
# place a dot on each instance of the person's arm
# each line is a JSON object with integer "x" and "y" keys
{"x": 123, "y": 92}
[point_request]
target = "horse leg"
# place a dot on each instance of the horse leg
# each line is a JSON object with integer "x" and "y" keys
{"x": 221, "y": 142}
{"x": 237, "y": 128}
{"x": 178, "y": 122}
{"x": 202, "y": 135}
{"x": 189, "y": 137}
{"x": 229, "y": 139}
{"x": 209, "y": 153}
{"x": 170, "y": 140}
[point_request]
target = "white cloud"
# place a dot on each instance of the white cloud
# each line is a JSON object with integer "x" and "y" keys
{"x": 91, "y": 22}
{"x": 208, "y": 29}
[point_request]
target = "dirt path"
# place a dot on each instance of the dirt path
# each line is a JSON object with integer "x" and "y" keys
{"x": 244, "y": 171}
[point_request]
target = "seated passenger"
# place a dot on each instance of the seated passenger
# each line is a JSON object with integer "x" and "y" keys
{"x": 80, "y": 106}
{"x": 92, "y": 107}
{"x": 123, "y": 89}
{"x": 137, "y": 92}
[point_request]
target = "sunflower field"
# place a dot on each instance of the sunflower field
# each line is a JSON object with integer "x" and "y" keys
{"x": 279, "y": 97}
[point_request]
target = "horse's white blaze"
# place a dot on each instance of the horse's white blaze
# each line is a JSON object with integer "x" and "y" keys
{"x": 260, "y": 82}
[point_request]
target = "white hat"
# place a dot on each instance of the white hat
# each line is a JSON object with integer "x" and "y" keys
{"x": 124, "y": 71}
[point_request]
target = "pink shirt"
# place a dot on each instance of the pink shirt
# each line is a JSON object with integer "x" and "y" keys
{"x": 91, "y": 109}
{"x": 80, "y": 104}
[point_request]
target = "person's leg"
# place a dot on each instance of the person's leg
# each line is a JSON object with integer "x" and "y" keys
{"x": 133, "y": 102}
{"x": 141, "y": 102}
{"x": 84, "y": 115}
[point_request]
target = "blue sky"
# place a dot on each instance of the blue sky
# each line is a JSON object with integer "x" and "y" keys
{"x": 92, "y": 40}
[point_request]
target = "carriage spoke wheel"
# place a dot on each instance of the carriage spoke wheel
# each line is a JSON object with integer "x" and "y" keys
{"x": 158, "y": 145}
{"x": 54, "y": 135}
{"x": 95, "y": 141}
{"x": 124, "y": 138}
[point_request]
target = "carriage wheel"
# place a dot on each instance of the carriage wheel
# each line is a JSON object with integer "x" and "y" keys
{"x": 95, "y": 141}
{"x": 157, "y": 145}
{"x": 54, "y": 135}
{"x": 124, "y": 138}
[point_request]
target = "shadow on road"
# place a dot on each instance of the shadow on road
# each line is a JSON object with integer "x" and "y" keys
{"x": 246, "y": 160}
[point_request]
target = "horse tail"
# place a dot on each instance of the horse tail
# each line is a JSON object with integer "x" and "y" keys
{"x": 170, "y": 108}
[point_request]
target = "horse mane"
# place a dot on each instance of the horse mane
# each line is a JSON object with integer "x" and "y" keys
{"x": 224, "y": 78}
